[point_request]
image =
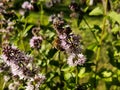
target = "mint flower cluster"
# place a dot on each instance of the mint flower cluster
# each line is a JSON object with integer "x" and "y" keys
{"x": 68, "y": 41}
{"x": 22, "y": 67}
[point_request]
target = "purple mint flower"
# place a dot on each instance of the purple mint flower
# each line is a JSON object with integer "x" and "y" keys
{"x": 19, "y": 67}
{"x": 74, "y": 60}
{"x": 35, "y": 42}
{"x": 27, "y": 5}
{"x": 17, "y": 60}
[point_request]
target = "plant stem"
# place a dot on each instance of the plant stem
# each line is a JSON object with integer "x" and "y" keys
{"x": 22, "y": 44}
{"x": 21, "y": 36}
{"x": 45, "y": 60}
{"x": 117, "y": 73}
{"x": 96, "y": 66}
{"x": 41, "y": 13}
{"x": 77, "y": 75}
{"x": 59, "y": 59}
{"x": 3, "y": 85}
{"x": 101, "y": 39}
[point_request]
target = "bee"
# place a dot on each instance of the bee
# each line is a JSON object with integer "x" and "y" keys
{"x": 57, "y": 44}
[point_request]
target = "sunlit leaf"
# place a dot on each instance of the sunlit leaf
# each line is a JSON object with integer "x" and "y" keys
{"x": 65, "y": 67}
{"x": 107, "y": 74}
{"x": 81, "y": 72}
{"x": 92, "y": 46}
{"x": 114, "y": 16}
{"x": 67, "y": 76}
{"x": 115, "y": 29}
{"x": 26, "y": 30}
{"x": 96, "y": 12}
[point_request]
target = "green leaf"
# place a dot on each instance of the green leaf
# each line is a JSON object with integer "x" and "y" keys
{"x": 114, "y": 16}
{"x": 92, "y": 46}
{"x": 96, "y": 12}
{"x": 107, "y": 73}
{"x": 89, "y": 53}
{"x": 65, "y": 67}
{"x": 116, "y": 43}
{"x": 49, "y": 76}
{"x": 55, "y": 63}
{"x": 115, "y": 29}
{"x": 26, "y": 30}
{"x": 51, "y": 52}
{"x": 79, "y": 19}
{"x": 82, "y": 72}
{"x": 97, "y": 27}
{"x": 67, "y": 76}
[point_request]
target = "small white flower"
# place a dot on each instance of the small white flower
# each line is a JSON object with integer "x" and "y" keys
{"x": 8, "y": 62}
{"x": 29, "y": 86}
{"x": 30, "y": 7}
{"x": 1, "y": 4}
{"x": 39, "y": 79}
{"x": 15, "y": 69}
{"x": 63, "y": 36}
{"x": 6, "y": 78}
{"x": 4, "y": 57}
{"x": 25, "y": 5}
{"x": 91, "y": 2}
{"x": 70, "y": 59}
{"x": 65, "y": 45}
{"x": 81, "y": 59}
{"x": 51, "y": 18}
{"x": 76, "y": 59}
{"x": 13, "y": 86}
{"x": 49, "y": 4}
{"x": 22, "y": 12}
